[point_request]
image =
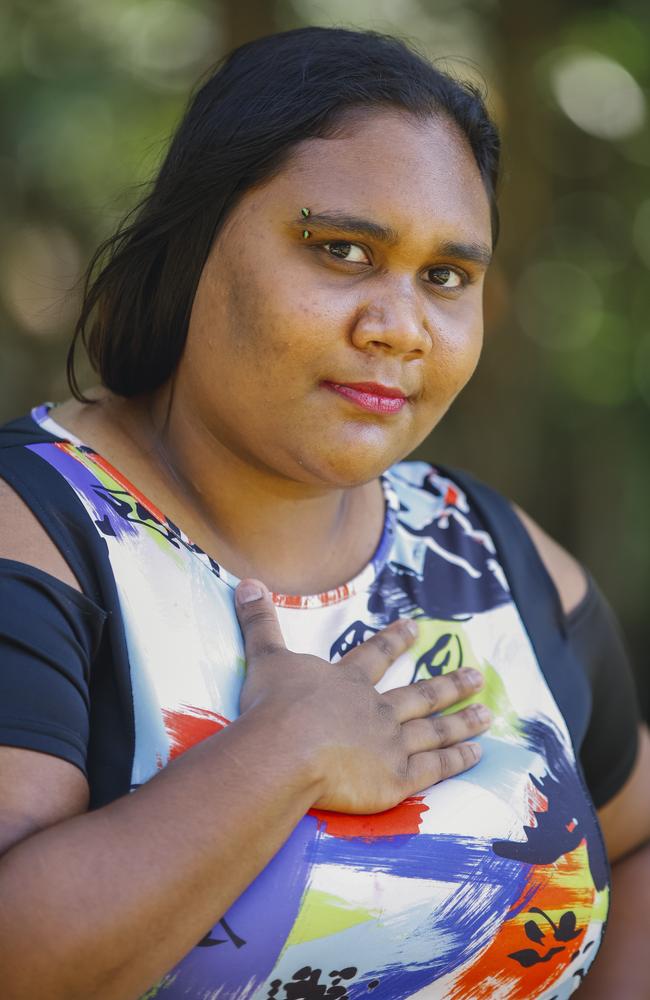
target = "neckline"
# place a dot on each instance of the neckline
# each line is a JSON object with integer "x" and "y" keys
{"x": 41, "y": 415}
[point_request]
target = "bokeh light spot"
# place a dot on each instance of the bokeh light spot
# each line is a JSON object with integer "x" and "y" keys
{"x": 165, "y": 43}
{"x": 642, "y": 367}
{"x": 601, "y": 372}
{"x": 40, "y": 268}
{"x": 598, "y": 95}
{"x": 558, "y": 304}
{"x": 641, "y": 231}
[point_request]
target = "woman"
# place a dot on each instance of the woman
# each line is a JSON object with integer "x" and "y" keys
{"x": 292, "y": 310}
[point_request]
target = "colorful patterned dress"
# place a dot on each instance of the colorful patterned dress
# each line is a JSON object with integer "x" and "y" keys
{"x": 492, "y": 884}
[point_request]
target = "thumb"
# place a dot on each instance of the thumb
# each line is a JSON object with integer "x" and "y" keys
{"x": 258, "y": 620}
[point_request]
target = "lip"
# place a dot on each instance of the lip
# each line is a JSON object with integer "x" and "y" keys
{"x": 372, "y": 396}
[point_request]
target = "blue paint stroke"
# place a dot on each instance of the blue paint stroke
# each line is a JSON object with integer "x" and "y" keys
{"x": 467, "y": 921}
{"x": 569, "y": 818}
{"x": 258, "y": 924}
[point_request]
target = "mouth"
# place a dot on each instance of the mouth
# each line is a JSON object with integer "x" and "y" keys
{"x": 370, "y": 396}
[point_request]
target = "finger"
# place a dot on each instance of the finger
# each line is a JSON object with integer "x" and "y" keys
{"x": 376, "y": 655}
{"x": 438, "y": 731}
{"x": 258, "y": 619}
{"x": 415, "y": 701}
{"x": 433, "y": 766}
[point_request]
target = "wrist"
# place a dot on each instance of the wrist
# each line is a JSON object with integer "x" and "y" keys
{"x": 282, "y": 743}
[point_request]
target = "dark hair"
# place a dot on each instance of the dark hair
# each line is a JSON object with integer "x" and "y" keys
{"x": 240, "y": 127}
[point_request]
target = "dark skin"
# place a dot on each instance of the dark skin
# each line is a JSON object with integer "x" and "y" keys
{"x": 276, "y": 477}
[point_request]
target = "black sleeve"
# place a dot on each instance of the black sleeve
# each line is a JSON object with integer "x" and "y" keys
{"x": 49, "y": 634}
{"x": 609, "y": 748}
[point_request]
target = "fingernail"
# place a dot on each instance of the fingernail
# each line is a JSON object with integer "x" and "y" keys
{"x": 247, "y": 592}
{"x": 483, "y": 713}
{"x": 412, "y": 627}
{"x": 475, "y": 677}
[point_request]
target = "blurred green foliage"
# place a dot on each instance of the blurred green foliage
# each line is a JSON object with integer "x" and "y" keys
{"x": 559, "y": 414}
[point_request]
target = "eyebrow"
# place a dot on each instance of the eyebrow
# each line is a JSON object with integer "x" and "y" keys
{"x": 353, "y": 225}
{"x": 479, "y": 253}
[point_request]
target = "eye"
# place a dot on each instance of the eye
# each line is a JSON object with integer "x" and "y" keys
{"x": 446, "y": 277}
{"x": 349, "y": 252}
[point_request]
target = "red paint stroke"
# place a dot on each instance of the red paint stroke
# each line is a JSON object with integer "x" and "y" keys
{"x": 549, "y": 887}
{"x": 404, "y": 818}
{"x": 123, "y": 482}
{"x": 190, "y": 726}
{"x": 451, "y": 497}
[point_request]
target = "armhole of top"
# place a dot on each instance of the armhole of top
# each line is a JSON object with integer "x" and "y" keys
{"x": 28, "y": 542}
{"x": 567, "y": 576}
{"x": 30, "y": 477}
{"x": 74, "y": 596}
{"x": 68, "y": 523}
{"x": 584, "y": 605}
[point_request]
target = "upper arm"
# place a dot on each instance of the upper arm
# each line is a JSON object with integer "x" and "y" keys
{"x": 36, "y": 791}
{"x": 37, "y": 788}
{"x": 625, "y": 819}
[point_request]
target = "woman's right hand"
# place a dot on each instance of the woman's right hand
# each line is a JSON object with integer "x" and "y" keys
{"x": 368, "y": 751}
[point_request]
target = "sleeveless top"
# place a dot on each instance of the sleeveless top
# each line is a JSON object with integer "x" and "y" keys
{"x": 491, "y": 884}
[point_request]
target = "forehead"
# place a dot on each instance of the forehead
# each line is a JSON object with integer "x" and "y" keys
{"x": 412, "y": 174}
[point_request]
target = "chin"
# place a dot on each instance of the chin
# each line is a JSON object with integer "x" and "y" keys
{"x": 350, "y": 467}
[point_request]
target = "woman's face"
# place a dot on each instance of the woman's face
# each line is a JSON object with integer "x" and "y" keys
{"x": 325, "y": 359}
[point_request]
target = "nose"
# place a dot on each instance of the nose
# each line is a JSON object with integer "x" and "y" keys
{"x": 393, "y": 322}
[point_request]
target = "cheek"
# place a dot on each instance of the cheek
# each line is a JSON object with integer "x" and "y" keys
{"x": 455, "y": 356}
{"x": 282, "y": 320}
{"x": 469, "y": 351}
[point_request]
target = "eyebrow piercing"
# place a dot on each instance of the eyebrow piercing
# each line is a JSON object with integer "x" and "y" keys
{"x": 305, "y": 212}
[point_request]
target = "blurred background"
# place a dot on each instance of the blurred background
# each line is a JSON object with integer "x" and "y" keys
{"x": 558, "y": 416}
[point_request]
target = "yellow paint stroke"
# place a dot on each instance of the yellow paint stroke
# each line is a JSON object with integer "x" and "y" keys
{"x": 459, "y": 652}
{"x": 322, "y": 914}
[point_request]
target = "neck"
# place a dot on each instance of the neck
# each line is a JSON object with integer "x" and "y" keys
{"x": 296, "y": 537}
